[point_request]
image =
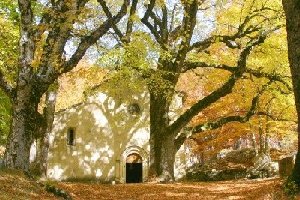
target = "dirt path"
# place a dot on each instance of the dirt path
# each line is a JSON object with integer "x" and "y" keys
{"x": 241, "y": 189}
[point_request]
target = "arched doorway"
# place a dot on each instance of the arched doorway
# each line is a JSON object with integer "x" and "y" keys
{"x": 144, "y": 158}
{"x": 134, "y": 168}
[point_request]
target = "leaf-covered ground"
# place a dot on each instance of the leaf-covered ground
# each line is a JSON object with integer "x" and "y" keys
{"x": 14, "y": 186}
{"x": 240, "y": 189}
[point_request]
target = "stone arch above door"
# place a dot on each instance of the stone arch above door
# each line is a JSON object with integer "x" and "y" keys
{"x": 134, "y": 150}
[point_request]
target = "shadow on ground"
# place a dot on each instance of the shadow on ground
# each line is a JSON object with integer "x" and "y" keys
{"x": 239, "y": 189}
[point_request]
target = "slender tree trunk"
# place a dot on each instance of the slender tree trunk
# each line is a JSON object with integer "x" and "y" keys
{"x": 267, "y": 138}
{"x": 49, "y": 117}
{"x": 261, "y": 137}
{"x": 267, "y": 144}
{"x": 292, "y": 12}
{"x": 253, "y": 139}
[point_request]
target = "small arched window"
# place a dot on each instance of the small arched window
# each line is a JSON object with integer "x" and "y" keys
{"x": 71, "y": 136}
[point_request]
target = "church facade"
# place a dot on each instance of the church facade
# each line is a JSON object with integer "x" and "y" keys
{"x": 106, "y": 138}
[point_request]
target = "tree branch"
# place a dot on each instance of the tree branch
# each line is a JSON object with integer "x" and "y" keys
{"x": 243, "y": 30}
{"x": 26, "y": 45}
{"x": 273, "y": 76}
{"x": 153, "y": 28}
{"x": 91, "y": 39}
{"x": 225, "y": 89}
{"x": 130, "y": 20}
{"x": 275, "y": 118}
{"x": 59, "y": 32}
{"x": 189, "y": 22}
{"x": 190, "y": 131}
{"x": 257, "y": 73}
{"x": 164, "y": 24}
{"x": 110, "y": 16}
{"x": 125, "y": 38}
{"x": 194, "y": 65}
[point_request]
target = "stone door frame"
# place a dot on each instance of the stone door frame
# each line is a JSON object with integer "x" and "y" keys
{"x": 145, "y": 161}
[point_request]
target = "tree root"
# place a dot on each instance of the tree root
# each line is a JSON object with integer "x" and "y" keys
{"x": 58, "y": 192}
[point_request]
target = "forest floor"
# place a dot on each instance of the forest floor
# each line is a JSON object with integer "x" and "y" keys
{"x": 14, "y": 186}
{"x": 263, "y": 189}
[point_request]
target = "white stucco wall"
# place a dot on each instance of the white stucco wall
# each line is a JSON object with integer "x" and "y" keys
{"x": 105, "y": 134}
{"x": 104, "y": 129}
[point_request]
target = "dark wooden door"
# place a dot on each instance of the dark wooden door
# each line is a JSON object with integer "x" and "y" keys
{"x": 134, "y": 172}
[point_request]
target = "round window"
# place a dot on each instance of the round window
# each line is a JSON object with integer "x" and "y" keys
{"x": 134, "y": 109}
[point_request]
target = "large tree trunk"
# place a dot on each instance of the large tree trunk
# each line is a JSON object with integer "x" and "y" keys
{"x": 22, "y": 129}
{"x": 292, "y": 12}
{"x": 25, "y": 99}
{"x": 162, "y": 157}
{"x": 155, "y": 154}
{"x": 168, "y": 152}
{"x": 161, "y": 144}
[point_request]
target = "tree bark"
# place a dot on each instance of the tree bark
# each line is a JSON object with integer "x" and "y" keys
{"x": 168, "y": 152}
{"x": 159, "y": 108}
{"x": 49, "y": 112}
{"x": 25, "y": 99}
{"x": 292, "y": 12}
{"x": 22, "y": 129}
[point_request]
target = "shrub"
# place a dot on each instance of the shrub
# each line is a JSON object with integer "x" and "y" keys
{"x": 290, "y": 188}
